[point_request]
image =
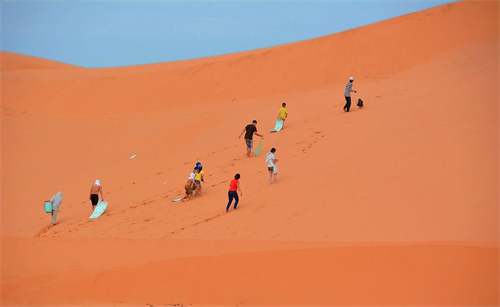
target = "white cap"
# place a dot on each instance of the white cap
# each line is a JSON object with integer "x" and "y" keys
{"x": 351, "y": 78}
{"x": 97, "y": 182}
{"x": 191, "y": 176}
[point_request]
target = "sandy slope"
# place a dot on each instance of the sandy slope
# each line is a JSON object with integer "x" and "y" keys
{"x": 393, "y": 204}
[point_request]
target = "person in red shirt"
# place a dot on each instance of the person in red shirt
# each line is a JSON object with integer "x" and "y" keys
{"x": 234, "y": 186}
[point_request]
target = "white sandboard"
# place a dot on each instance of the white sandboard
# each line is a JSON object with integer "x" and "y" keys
{"x": 257, "y": 150}
{"x": 99, "y": 209}
{"x": 278, "y": 127}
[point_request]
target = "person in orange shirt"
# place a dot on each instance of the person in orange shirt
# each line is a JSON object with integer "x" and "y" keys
{"x": 234, "y": 186}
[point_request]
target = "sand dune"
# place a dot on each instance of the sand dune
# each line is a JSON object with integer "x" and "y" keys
{"x": 396, "y": 203}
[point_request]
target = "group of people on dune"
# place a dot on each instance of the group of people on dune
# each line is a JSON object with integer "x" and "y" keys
{"x": 193, "y": 186}
{"x": 56, "y": 200}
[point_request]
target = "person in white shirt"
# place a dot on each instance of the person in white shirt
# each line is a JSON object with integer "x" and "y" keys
{"x": 271, "y": 165}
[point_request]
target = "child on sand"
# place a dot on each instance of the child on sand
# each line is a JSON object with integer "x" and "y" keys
{"x": 198, "y": 177}
{"x": 283, "y": 114}
{"x": 271, "y": 165}
{"x": 234, "y": 186}
{"x": 94, "y": 196}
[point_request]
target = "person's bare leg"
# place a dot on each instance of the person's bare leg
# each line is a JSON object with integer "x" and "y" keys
{"x": 270, "y": 177}
{"x": 275, "y": 177}
{"x": 248, "y": 152}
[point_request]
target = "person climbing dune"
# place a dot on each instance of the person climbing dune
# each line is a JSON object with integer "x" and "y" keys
{"x": 95, "y": 189}
{"x": 347, "y": 94}
{"x": 283, "y": 114}
{"x": 56, "y": 201}
{"x": 249, "y": 131}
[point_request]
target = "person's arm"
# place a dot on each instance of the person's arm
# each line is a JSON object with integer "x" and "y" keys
{"x": 353, "y": 91}
{"x": 242, "y": 133}
{"x": 238, "y": 185}
{"x": 258, "y": 134}
{"x": 100, "y": 190}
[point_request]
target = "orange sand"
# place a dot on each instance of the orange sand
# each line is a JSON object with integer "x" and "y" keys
{"x": 395, "y": 204}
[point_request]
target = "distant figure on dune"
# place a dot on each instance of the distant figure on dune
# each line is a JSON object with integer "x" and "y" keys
{"x": 56, "y": 201}
{"x": 198, "y": 177}
{"x": 190, "y": 186}
{"x": 271, "y": 165}
{"x": 347, "y": 94}
{"x": 94, "y": 196}
{"x": 234, "y": 186}
{"x": 283, "y": 114}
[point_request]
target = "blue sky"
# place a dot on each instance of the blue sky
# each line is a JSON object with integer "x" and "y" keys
{"x": 120, "y": 33}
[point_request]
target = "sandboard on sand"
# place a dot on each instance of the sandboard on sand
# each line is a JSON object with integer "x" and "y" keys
{"x": 278, "y": 126}
{"x": 257, "y": 150}
{"x": 99, "y": 209}
{"x": 177, "y": 199}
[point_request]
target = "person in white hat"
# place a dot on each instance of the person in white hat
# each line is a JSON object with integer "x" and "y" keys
{"x": 347, "y": 94}
{"x": 94, "y": 196}
{"x": 190, "y": 186}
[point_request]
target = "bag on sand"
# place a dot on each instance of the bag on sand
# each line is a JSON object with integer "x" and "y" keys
{"x": 48, "y": 206}
{"x": 360, "y": 103}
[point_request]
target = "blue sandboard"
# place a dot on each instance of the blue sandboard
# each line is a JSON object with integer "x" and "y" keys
{"x": 99, "y": 209}
{"x": 177, "y": 199}
{"x": 257, "y": 150}
{"x": 278, "y": 126}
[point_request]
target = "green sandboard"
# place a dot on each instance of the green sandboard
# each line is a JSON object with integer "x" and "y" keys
{"x": 278, "y": 126}
{"x": 257, "y": 150}
{"x": 99, "y": 209}
{"x": 177, "y": 199}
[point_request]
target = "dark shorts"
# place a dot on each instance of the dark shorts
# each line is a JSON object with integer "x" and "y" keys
{"x": 94, "y": 198}
{"x": 249, "y": 144}
{"x": 197, "y": 182}
{"x": 270, "y": 168}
